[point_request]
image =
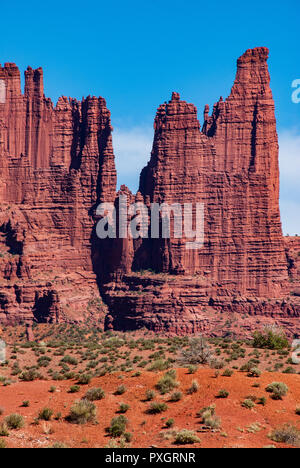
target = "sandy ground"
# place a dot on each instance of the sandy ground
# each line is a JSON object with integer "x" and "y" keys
{"x": 149, "y": 430}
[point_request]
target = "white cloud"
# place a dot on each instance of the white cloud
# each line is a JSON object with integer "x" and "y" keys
{"x": 289, "y": 161}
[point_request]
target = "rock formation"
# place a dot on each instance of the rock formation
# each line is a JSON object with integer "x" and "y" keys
{"x": 57, "y": 164}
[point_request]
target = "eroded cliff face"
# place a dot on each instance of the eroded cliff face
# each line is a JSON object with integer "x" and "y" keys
{"x": 231, "y": 166}
{"x": 57, "y": 164}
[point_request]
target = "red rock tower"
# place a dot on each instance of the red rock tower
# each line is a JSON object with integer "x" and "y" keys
{"x": 231, "y": 167}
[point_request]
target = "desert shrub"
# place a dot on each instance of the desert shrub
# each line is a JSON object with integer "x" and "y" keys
{"x": 84, "y": 379}
{"x": 247, "y": 403}
{"x": 207, "y": 410}
{"x": 120, "y": 390}
{"x": 216, "y": 364}
{"x": 26, "y": 404}
{"x": 94, "y": 394}
{"x": 45, "y": 414}
{"x": 176, "y": 396}
{"x": 4, "y": 430}
{"x": 248, "y": 366}
{"x": 2, "y": 444}
{"x": 74, "y": 389}
{"x": 192, "y": 368}
{"x": 193, "y": 388}
{"x": 270, "y": 338}
{"x": 213, "y": 422}
{"x": 69, "y": 360}
{"x": 289, "y": 370}
{"x": 159, "y": 365}
{"x": 52, "y": 389}
{"x": 59, "y": 445}
{"x": 223, "y": 394}
{"x": 30, "y": 375}
{"x": 297, "y": 411}
{"x": 262, "y": 401}
{"x": 186, "y": 437}
{"x": 277, "y": 389}
{"x": 254, "y": 372}
{"x": 227, "y": 373}
{"x": 44, "y": 361}
{"x": 166, "y": 383}
{"x": 127, "y": 436}
{"x": 150, "y": 395}
{"x": 287, "y": 434}
{"x": 170, "y": 423}
{"x": 117, "y": 426}
{"x": 208, "y": 417}
{"x": 82, "y": 411}
{"x": 14, "y": 421}
{"x": 123, "y": 407}
{"x": 157, "y": 407}
{"x": 197, "y": 352}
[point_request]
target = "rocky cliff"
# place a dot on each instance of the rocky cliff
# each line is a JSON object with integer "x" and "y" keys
{"x": 57, "y": 164}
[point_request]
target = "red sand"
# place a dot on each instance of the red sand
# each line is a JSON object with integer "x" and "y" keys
{"x": 235, "y": 419}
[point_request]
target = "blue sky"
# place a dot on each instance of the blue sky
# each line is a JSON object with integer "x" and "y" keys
{"x": 136, "y": 53}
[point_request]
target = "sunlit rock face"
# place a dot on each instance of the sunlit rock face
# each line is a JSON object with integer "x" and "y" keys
{"x": 57, "y": 165}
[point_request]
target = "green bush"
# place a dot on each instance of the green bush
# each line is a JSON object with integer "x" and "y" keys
{"x": 170, "y": 423}
{"x": 94, "y": 394}
{"x": 82, "y": 411}
{"x": 227, "y": 373}
{"x": 46, "y": 414}
{"x": 270, "y": 339}
{"x": 84, "y": 379}
{"x": 247, "y": 403}
{"x": 30, "y": 375}
{"x": 176, "y": 396}
{"x": 69, "y": 360}
{"x": 192, "y": 368}
{"x": 208, "y": 417}
{"x": 14, "y": 421}
{"x": 287, "y": 434}
{"x": 157, "y": 407}
{"x": 277, "y": 389}
{"x": 150, "y": 395}
{"x": 254, "y": 372}
{"x": 223, "y": 394}
{"x": 207, "y": 410}
{"x": 262, "y": 401}
{"x": 74, "y": 389}
{"x": 193, "y": 388}
{"x": 166, "y": 383}
{"x": 4, "y": 430}
{"x": 123, "y": 408}
{"x": 120, "y": 390}
{"x": 160, "y": 365}
{"x": 2, "y": 444}
{"x": 186, "y": 437}
{"x": 117, "y": 426}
